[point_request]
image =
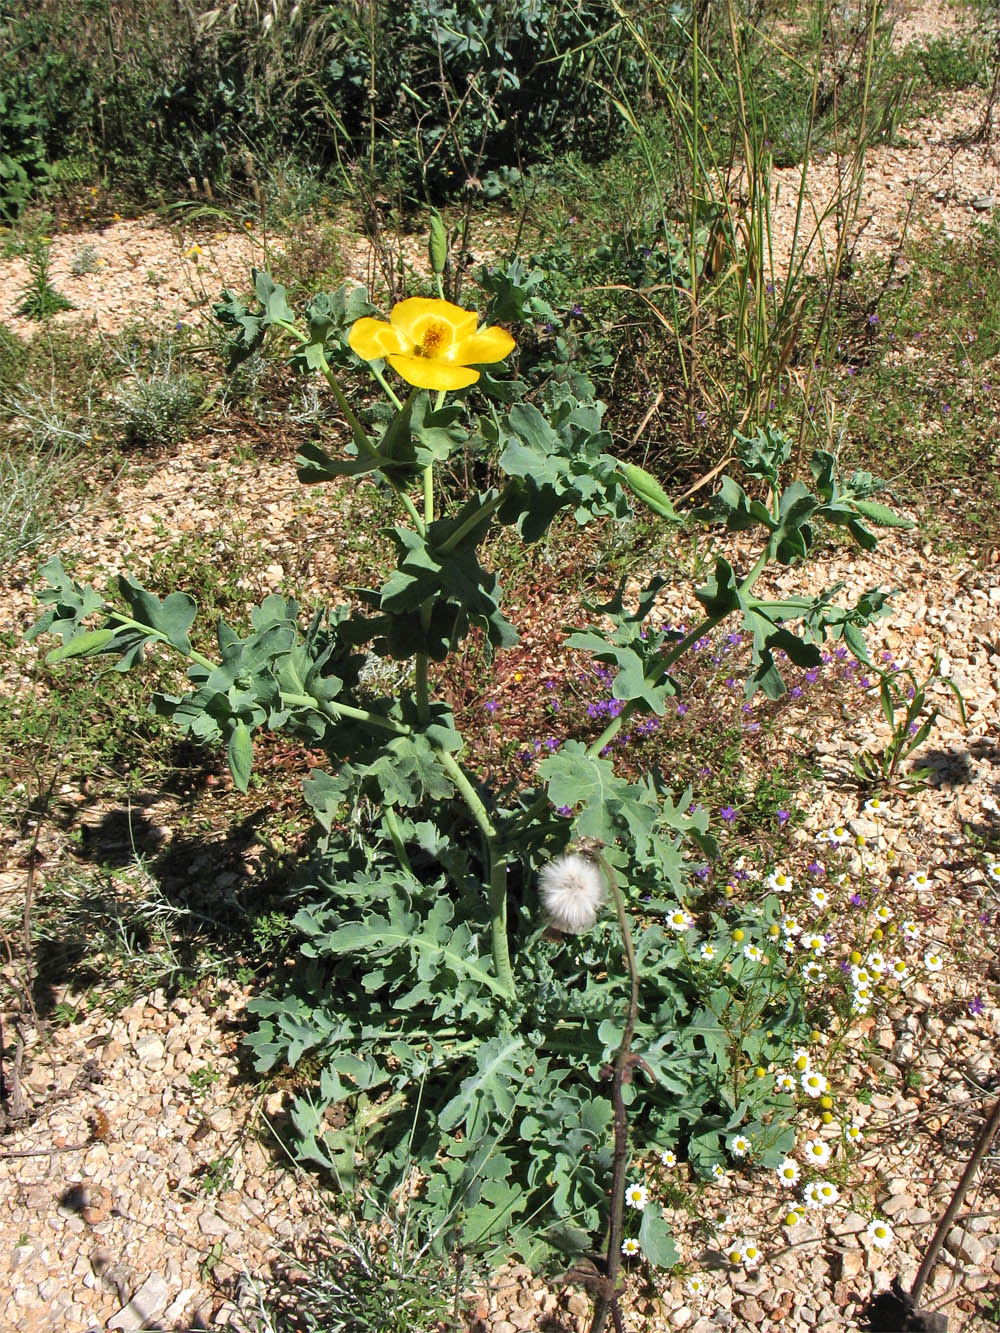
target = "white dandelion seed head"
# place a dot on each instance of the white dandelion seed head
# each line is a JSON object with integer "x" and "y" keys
{"x": 572, "y": 890}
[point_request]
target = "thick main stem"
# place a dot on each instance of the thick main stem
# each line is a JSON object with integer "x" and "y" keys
{"x": 497, "y": 869}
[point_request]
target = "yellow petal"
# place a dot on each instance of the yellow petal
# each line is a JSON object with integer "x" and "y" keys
{"x": 374, "y": 339}
{"x": 491, "y": 344}
{"x": 424, "y": 373}
{"x": 414, "y": 316}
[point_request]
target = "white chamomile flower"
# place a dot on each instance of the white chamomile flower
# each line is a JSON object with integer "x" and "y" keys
{"x": 630, "y": 1247}
{"x": 755, "y": 954}
{"x": 898, "y": 969}
{"x": 572, "y": 889}
{"x": 679, "y": 920}
{"x": 718, "y": 1171}
{"x": 637, "y": 1196}
{"x": 837, "y": 835}
{"x": 861, "y": 977}
{"x": 853, "y": 1133}
{"x": 879, "y": 1234}
{"x": 820, "y": 1193}
{"x": 933, "y": 961}
{"x": 739, "y": 1145}
{"x": 785, "y": 1082}
{"x": 788, "y": 1172}
{"x": 875, "y": 962}
{"x": 790, "y": 926}
{"x": 882, "y": 913}
{"x": 861, "y": 1001}
{"x": 668, "y": 1157}
{"x": 800, "y": 1060}
{"x": 816, "y": 1152}
{"x": 750, "y": 1253}
{"x": 875, "y": 807}
{"x": 792, "y": 1218}
{"x": 695, "y": 1285}
{"x": 993, "y": 870}
{"x": 779, "y": 882}
{"x": 919, "y": 880}
{"x": 814, "y": 942}
{"x": 707, "y": 951}
{"x": 813, "y": 1083}
{"x": 812, "y": 971}
{"x": 819, "y": 897}
{"x": 910, "y": 929}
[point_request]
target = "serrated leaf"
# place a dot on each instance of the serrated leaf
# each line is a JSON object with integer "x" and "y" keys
{"x": 491, "y": 1091}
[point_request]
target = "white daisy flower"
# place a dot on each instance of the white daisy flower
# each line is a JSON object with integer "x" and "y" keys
{"x": 837, "y": 835}
{"x": 813, "y": 941}
{"x": 812, "y": 971}
{"x": 861, "y": 1001}
{"x": 819, "y": 897}
{"x": 707, "y": 951}
{"x": 933, "y": 961}
{"x": 816, "y": 1152}
{"x": 788, "y": 1172}
{"x": 668, "y": 1158}
{"x": 820, "y": 1193}
{"x": 679, "y": 920}
{"x": 993, "y": 870}
{"x": 718, "y": 1172}
{"x": 861, "y": 977}
{"x": 785, "y": 1082}
{"x": 874, "y": 807}
{"x": 898, "y": 969}
{"x": 882, "y": 913}
{"x": 854, "y": 1133}
{"x": 572, "y": 889}
{"x": 879, "y": 1234}
{"x": 637, "y": 1196}
{"x": 800, "y": 1060}
{"x": 739, "y": 1145}
{"x": 695, "y": 1285}
{"x": 876, "y": 962}
{"x": 751, "y": 1253}
{"x": 790, "y": 926}
{"x": 630, "y": 1247}
{"x": 919, "y": 880}
{"x": 779, "y": 882}
{"x": 911, "y": 930}
{"x": 813, "y": 1083}
{"x": 752, "y": 952}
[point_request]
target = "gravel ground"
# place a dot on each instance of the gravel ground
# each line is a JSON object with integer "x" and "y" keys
{"x": 107, "y": 1216}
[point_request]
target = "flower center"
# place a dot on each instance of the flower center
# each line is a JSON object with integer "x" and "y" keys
{"x": 434, "y": 336}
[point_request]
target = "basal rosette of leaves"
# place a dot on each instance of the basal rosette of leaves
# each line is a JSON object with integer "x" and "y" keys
{"x": 463, "y": 1045}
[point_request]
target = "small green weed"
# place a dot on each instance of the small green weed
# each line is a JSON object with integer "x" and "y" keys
{"x": 40, "y": 300}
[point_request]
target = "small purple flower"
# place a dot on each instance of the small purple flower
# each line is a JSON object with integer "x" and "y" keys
{"x": 795, "y": 692}
{"x": 873, "y": 320}
{"x": 855, "y": 900}
{"x": 491, "y": 706}
{"x": 816, "y": 868}
{"x": 812, "y": 675}
{"x": 976, "y": 1006}
{"x": 728, "y": 813}
{"x": 551, "y": 743}
{"x": 783, "y": 817}
{"x": 577, "y": 310}
{"x": 563, "y": 810}
{"x": 681, "y": 709}
{"x": 702, "y": 872}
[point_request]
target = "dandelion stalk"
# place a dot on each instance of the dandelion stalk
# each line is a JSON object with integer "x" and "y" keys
{"x": 621, "y": 1071}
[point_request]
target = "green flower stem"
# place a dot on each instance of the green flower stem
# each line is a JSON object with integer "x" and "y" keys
{"x": 339, "y": 711}
{"x": 678, "y": 650}
{"x": 427, "y": 606}
{"x": 126, "y": 622}
{"x": 474, "y": 519}
{"x": 396, "y": 834}
{"x": 497, "y": 869}
{"x": 373, "y": 366}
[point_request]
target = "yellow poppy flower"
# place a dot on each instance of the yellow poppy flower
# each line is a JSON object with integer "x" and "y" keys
{"x": 432, "y": 344}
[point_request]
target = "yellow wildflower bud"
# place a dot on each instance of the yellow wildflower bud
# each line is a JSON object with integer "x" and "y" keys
{"x": 737, "y": 935}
